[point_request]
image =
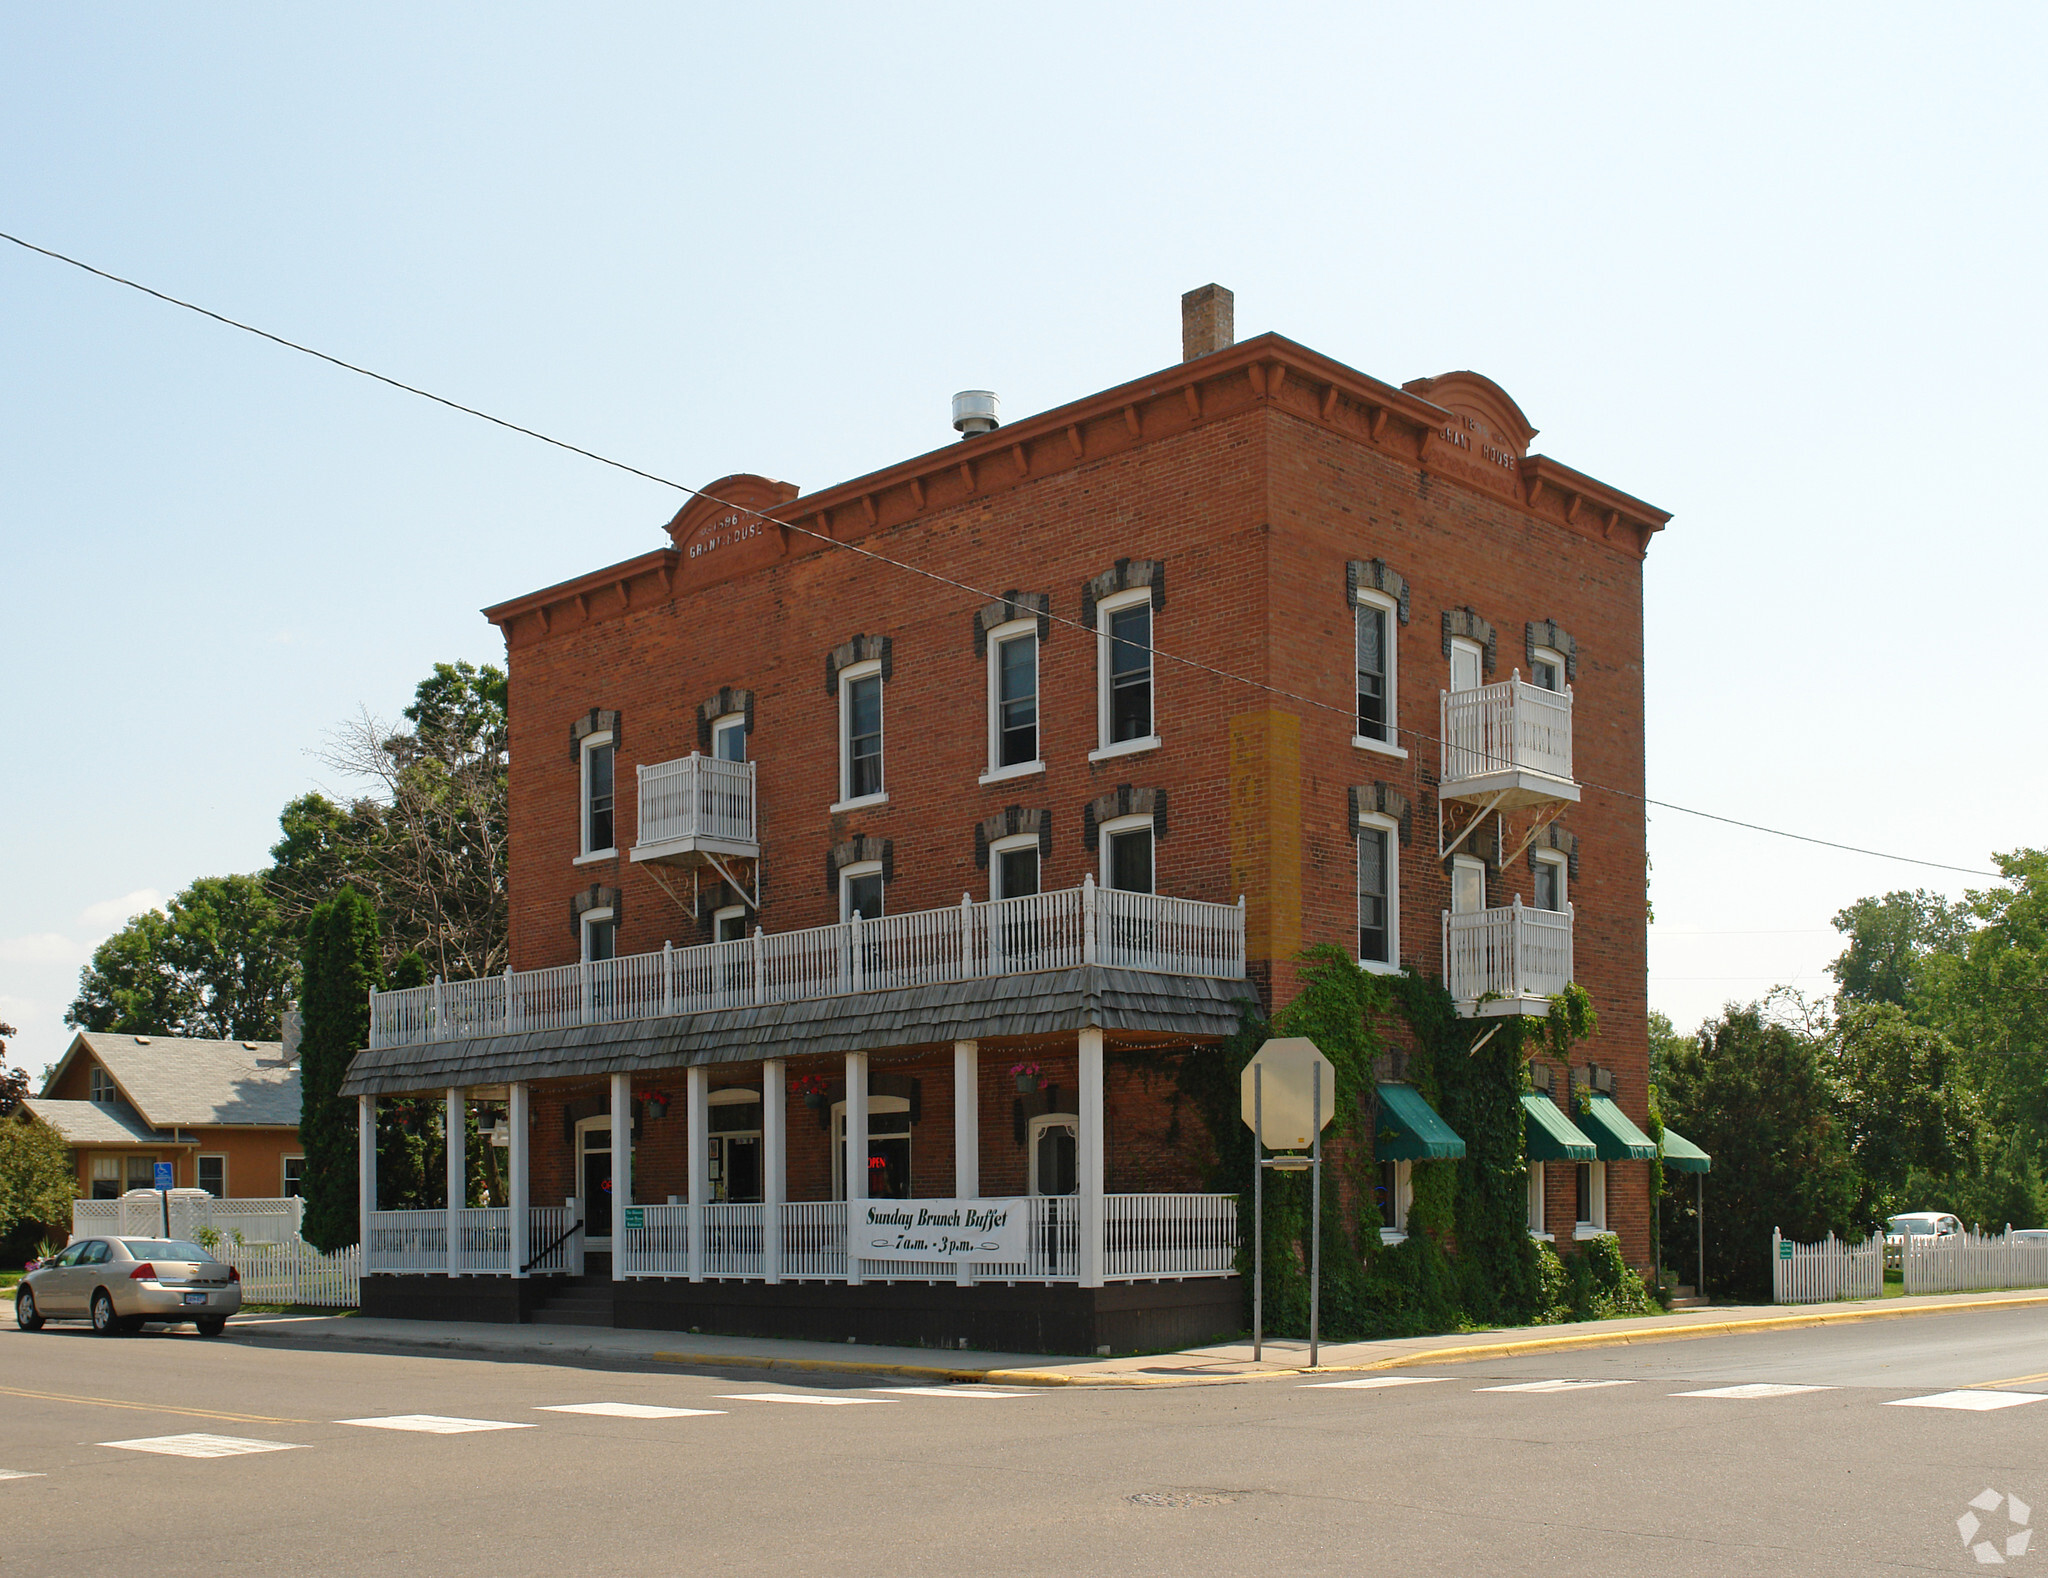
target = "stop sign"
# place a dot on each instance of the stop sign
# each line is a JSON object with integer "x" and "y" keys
{"x": 1287, "y": 1091}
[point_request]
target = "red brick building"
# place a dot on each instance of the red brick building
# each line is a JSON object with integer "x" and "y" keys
{"x": 1304, "y": 656}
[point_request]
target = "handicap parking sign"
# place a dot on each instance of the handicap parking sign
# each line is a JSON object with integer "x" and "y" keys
{"x": 163, "y": 1175}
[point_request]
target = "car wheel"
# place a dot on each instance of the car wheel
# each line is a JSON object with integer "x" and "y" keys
{"x": 26, "y": 1315}
{"x": 212, "y": 1325}
{"x": 104, "y": 1320}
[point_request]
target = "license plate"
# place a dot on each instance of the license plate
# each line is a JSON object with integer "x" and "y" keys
{"x": 195, "y": 1298}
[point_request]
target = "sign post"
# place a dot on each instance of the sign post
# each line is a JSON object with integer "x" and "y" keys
{"x": 1282, "y": 1094}
{"x": 163, "y": 1191}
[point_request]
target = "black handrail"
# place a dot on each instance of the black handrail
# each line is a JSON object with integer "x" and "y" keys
{"x": 573, "y": 1227}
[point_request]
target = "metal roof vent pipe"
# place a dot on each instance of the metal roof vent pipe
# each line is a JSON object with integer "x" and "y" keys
{"x": 976, "y": 411}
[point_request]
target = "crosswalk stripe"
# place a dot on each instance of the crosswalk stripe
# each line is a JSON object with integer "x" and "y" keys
{"x": 15, "y": 1473}
{"x": 435, "y": 1424}
{"x": 201, "y": 1445}
{"x": 1552, "y": 1386}
{"x": 793, "y": 1397}
{"x": 1373, "y": 1382}
{"x": 948, "y": 1391}
{"x": 1973, "y": 1402}
{"x": 624, "y": 1410}
{"x": 1755, "y": 1389}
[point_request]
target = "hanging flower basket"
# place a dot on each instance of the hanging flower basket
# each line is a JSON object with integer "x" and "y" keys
{"x": 1028, "y": 1075}
{"x": 812, "y": 1089}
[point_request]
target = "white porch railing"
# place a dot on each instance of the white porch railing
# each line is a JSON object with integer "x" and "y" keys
{"x": 407, "y": 1241}
{"x": 1514, "y": 954}
{"x": 1833, "y": 1269}
{"x": 555, "y": 1250}
{"x": 483, "y": 1240}
{"x": 1045, "y": 931}
{"x": 417, "y": 1241}
{"x": 1508, "y": 724}
{"x": 1963, "y": 1262}
{"x": 1146, "y": 1236}
{"x": 697, "y": 797}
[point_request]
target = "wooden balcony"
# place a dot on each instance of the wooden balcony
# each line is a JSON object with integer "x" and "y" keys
{"x": 696, "y": 807}
{"x": 1507, "y": 745}
{"x": 1509, "y": 961}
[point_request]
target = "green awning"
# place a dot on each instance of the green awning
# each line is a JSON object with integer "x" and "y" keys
{"x": 1614, "y": 1137}
{"x": 1549, "y": 1135}
{"x": 1682, "y": 1154}
{"x": 1410, "y": 1130}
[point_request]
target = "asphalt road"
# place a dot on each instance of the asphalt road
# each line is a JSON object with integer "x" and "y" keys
{"x": 1445, "y": 1474}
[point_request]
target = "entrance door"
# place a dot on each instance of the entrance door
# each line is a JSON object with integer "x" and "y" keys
{"x": 888, "y": 1148}
{"x": 594, "y": 1180}
{"x": 1054, "y": 1153}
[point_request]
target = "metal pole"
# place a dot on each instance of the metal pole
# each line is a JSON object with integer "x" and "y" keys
{"x": 165, "y": 1196}
{"x": 1699, "y": 1213}
{"x": 1315, "y": 1221}
{"x": 1258, "y": 1211}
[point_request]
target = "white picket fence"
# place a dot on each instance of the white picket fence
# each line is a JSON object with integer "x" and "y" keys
{"x": 1967, "y": 1261}
{"x": 1833, "y": 1269}
{"x": 297, "y": 1273}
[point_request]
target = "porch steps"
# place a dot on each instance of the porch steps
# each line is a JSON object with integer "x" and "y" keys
{"x": 1686, "y": 1299}
{"x": 577, "y": 1301}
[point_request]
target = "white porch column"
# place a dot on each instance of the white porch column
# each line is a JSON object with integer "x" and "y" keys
{"x": 856, "y": 1154}
{"x": 456, "y": 1132}
{"x": 697, "y": 1106}
{"x": 774, "y": 1163}
{"x": 1088, "y": 1248}
{"x": 517, "y": 1098}
{"x": 622, "y": 1170}
{"x": 967, "y": 1119}
{"x": 366, "y": 1171}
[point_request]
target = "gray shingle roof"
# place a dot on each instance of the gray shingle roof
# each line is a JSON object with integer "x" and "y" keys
{"x": 179, "y": 1082}
{"x": 912, "y": 1016}
{"x": 95, "y": 1122}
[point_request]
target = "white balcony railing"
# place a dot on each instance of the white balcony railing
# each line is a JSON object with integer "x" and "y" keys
{"x": 969, "y": 941}
{"x": 1506, "y": 961}
{"x": 696, "y": 799}
{"x": 1506, "y": 726}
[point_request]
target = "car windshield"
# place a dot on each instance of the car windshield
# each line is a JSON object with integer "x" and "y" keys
{"x": 164, "y": 1249}
{"x": 1914, "y": 1224}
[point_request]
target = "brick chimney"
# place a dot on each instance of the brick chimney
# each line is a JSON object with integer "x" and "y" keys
{"x": 1206, "y": 322}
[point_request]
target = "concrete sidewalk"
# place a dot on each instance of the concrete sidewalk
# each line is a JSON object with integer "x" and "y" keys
{"x": 1228, "y": 1362}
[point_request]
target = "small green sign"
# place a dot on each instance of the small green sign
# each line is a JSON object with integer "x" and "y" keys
{"x": 635, "y": 1217}
{"x": 1784, "y": 1250}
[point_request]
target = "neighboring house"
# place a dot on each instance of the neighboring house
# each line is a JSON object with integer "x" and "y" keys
{"x": 224, "y": 1114}
{"x": 791, "y": 822}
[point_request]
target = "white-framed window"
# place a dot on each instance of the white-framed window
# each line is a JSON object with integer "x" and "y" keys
{"x": 1546, "y": 668}
{"x": 1394, "y": 1193}
{"x": 599, "y": 820}
{"x": 1055, "y": 1152}
{"x": 293, "y": 1181}
{"x": 1379, "y": 893}
{"x": 1375, "y": 644}
{"x": 1013, "y": 740}
{"x": 888, "y": 1148}
{"x": 106, "y": 1177}
{"x": 729, "y": 738}
{"x": 729, "y": 924}
{"x": 860, "y": 736}
{"x": 1549, "y": 880}
{"x": 860, "y": 890}
{"x": 1468, "y": 885}
{"x": 213, "y": 1175}
{"x": 1126, "y": 719}
{"x": 1536, "y": 1201}
{"x": 1468, "y": 664}
{"x": 101, "y": 1085}
{"x": 600, "y": 936}
{"x": 1126, "y": 854}
{"x": 1592, "y": 1211}
{"x": 1013, "y": 867}
{"x": 142, "y": 1172}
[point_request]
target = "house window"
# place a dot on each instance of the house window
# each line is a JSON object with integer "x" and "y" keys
{"x": 1127, "y": 854}
{"x": 1546, "y": 668}
{"x": 1536, "y": 1199}
{"x": 860, "y": 733}
{"x": 1392, "y": 1194}
{"x": 213, "y": 1175}
{"x": 729, "y": 924}
{"x": 1550, "y": 880}
{"x": 597, "y": 796}
{"x": 1468, "y": 885}
{"x": 1592, "y": 1184}
{"x": 1468, "y": 664}
{"x": 888, "y": 1148}
{"x": 1124, "y": 663}
{"x": 860, "y": 891}
{"x": 142, "y": 1172}
{"x": 1013, "y": 867}
{"x": 294, "y": 1177}
{"x": 1379, "y": 899}
{"x": 600, "y": 936}
{"x": 106, "y": 1177}
{"x": 103, "y": 1085}
{"x": 729, "y": 738}
{"x": 1054, "y": 1152}
{"x": 1375, "y": 653}
{"x": 1013, "y": 697}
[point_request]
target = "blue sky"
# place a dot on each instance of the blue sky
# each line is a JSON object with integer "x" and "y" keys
{"x": 1775, "y": 269}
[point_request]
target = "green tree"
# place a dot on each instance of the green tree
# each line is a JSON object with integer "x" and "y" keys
{"x": 37, "y": 1179}
{"x": 1755, "y": 1096}
{"x": 340, "y": 967}
{"x": 215, "y": 962}
{"x": 1903, "y": 1106}
{"x": 13, "y": 1081}
{"x": 1890, "y": 939}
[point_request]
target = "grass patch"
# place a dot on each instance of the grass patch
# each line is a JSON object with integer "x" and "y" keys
{"x": 1894, "y": 1284}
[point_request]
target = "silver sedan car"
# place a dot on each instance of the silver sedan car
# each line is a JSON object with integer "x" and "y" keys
{"x": 123, "y": 1284}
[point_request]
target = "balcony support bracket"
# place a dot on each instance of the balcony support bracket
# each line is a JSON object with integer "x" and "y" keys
{"x": 1544, "y": 818}
{"x": 1444, "y": 850}
{"x": 751, "y": 897}
{"x": 1490, "y": 1034}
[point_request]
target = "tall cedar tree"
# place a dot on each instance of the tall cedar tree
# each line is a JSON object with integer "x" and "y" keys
{"x": 340, "y": 967}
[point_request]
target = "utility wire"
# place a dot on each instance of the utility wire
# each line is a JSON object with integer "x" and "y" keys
{"x": 897, "y": 564}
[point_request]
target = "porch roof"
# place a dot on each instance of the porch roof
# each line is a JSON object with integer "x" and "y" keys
{"x": 990, "y": 1008}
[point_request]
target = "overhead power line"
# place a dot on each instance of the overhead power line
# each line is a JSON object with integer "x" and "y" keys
{"x": 898, "y": 564}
